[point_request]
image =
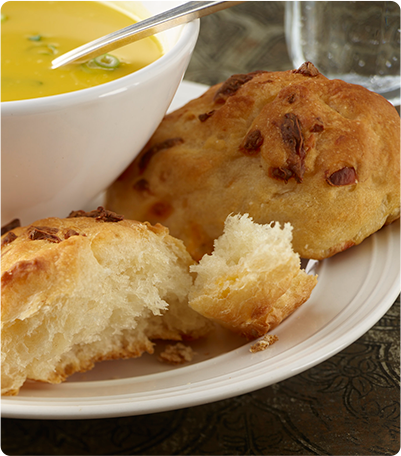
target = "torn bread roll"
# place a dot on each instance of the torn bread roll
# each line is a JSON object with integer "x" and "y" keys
{"x": 285, "y": 146}
{"x": 253, "y": 279}
{"x": 88, "y": 288}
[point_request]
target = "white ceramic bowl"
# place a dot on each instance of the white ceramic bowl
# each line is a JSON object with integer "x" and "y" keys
{"x": 59, "y": 152}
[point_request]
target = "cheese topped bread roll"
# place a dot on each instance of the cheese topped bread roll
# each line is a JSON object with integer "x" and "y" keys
{"x": 87, "y": 288}
{"x": 287, "y": 146}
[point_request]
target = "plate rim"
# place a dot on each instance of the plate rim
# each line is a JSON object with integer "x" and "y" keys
{"x": 248, "y": 380}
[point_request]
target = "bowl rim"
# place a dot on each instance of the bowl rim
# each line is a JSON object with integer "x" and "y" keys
{"x": 185, "y": 42}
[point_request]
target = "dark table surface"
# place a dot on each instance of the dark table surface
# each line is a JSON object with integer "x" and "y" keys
{"x": 347, "y": 405}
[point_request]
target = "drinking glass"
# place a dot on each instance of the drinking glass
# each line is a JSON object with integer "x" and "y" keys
{"x": 358, "y": 41}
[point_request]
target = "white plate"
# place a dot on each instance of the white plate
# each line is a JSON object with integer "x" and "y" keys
{"x": 355, "y": 289}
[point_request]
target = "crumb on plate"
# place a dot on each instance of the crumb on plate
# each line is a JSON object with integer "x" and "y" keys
{"x": 263, "y": 343}
{"x": 177, "y": 354}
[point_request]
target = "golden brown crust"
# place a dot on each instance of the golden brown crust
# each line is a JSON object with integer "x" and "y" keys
{"x": 88, "y": 288}
{"x": 253, "y": 279}
{"x": 288, "y": 146}
{"x": 257, "y": 308}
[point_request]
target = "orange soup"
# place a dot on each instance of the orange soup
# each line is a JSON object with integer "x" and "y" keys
{"x": 33, "y": 33}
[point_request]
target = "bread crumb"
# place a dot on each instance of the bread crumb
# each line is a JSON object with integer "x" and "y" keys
{"x": 263, "y": 343}
{"x": 176, "y": 354}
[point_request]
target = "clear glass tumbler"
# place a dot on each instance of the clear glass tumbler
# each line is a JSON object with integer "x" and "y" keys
{"x": 358, "y": 41}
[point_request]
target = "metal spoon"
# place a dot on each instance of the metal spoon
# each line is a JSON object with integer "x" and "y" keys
{"x": 168, "y": 19}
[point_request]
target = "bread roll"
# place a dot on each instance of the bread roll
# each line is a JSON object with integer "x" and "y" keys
{"x": 89, "y": 288}
{"x": 290, "y": 146}
{"x": 252, "y": 281}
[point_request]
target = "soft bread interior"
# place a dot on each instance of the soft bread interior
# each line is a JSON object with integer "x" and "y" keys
{"x": 111, "y": 289}
{"x": 252, "y": 280}
{"x": 107, "y": 298}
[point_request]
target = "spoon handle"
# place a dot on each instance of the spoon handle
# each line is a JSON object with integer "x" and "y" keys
{"x": 182, "y": 14}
